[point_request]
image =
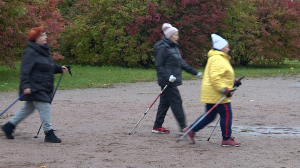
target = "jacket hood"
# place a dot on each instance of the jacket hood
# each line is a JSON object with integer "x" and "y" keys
{"x": 42, "y": 49}
{"x": 213, "y": 52}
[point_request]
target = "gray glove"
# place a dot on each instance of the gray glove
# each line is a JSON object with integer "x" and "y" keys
{"x": 172, "y": 78}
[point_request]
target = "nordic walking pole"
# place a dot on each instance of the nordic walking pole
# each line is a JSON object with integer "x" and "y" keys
{"x": 11, "y": 104}
{"x": 201, "y": 118}
{"x": 214, "y": 128}
{"x": 220, "y": 117}
{"x": 50, "y": 103}
{"x": 148, "y": 109}
{"x": 69, "y": 69}
{"x": 56, "y": 88}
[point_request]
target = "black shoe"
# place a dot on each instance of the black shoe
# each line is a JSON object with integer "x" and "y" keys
{"x": 51, "y": 137}
{"x": 8, "y": 129}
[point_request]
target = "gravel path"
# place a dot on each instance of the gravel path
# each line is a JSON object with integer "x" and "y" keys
{"x": 94, "y": 125}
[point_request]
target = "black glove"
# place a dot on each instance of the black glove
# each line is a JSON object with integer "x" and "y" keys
{"x": 237, "y": 83}
{"x": 227, "y": 92}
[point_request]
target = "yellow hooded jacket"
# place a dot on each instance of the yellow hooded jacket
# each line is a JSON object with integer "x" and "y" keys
{"x": 218, "y": 74}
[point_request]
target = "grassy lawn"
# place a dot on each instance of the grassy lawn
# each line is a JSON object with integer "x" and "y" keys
{"x": 99, "y": 77}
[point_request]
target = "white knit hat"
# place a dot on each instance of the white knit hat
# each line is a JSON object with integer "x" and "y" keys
{"x": 218, "y": 42}
{"x": 169, "y": 30}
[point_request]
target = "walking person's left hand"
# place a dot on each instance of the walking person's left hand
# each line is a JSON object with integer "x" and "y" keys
{"x": 64, "y": 69}
{"x": 237, "y": 83}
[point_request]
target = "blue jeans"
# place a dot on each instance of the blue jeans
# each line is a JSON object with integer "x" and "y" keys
{"x": 225, "y": 112}
{"x": 29, "y": 106}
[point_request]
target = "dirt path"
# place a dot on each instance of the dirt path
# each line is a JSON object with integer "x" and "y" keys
{"x": 94, "y": 125}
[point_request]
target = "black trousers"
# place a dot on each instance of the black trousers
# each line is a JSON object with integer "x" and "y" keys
{"x": 170, "y": 98}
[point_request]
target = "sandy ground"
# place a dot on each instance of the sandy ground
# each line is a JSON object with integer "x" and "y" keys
{"x": 94, "y": 125}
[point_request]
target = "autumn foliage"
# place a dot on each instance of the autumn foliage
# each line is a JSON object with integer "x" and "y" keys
{"x": 280, "y": 33}
{"x": 17, "y": 18}
{"x": 263, "y": 31}
{"x": 195, "y": 20}
{"x": 123, "y": 33}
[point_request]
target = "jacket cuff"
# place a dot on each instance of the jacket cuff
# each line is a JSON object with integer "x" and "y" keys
{"x": 58, "y": 69}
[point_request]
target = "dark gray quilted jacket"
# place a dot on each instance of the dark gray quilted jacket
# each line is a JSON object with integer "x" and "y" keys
{"x": 168, "y": 61}
{"x": 37, "y": 72}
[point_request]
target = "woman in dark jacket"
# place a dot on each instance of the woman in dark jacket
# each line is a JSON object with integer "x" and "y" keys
{"x": 168, "y": 64}
{"x": 36, "y": 83}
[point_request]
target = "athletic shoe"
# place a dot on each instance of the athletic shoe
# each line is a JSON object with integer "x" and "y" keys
{"x": 161, "y": 130}
{"x": 190, "y": 135}
{"x": 230, "y": 142}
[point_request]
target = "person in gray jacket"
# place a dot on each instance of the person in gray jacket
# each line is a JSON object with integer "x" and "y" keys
{"x": 168, "y": 64}
{"x": 36, "y": 83}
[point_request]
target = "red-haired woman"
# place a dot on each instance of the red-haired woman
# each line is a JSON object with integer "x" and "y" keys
{"x": 36, "y": 83}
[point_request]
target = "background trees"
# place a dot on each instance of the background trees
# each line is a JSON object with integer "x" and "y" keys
{"x": 99, "y": 36}
{"x": 262, "y": 31}
{"x": 242, "y": 31}
{"x": 195, "y": 20}
{"x": 123, "y": 33}
{"x": 17, "y": 18}
{"x": 12, "y": 30}
{"x": 280, "y": 33}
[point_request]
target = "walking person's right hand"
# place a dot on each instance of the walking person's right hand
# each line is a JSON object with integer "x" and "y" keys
{"x": 172, "y": 78}
{"x": 27, "y": 91}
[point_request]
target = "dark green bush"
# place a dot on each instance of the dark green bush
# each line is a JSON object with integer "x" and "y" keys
{"x": 99, "y": 37}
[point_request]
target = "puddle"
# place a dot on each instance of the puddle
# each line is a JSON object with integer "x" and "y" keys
{"x": 295, "y": 85}
{"x": 262, "y": 130}
{"x": 285, "y": 131}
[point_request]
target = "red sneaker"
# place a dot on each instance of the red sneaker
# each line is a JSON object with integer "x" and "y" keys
{"x": 190, "y": 135}
{"x": 230, "y": 142}
{"x": 161, "y": 130}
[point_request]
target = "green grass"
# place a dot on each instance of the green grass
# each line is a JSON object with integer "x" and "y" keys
{"x": 101, "y": 77}
{"x": 255, "y": 71}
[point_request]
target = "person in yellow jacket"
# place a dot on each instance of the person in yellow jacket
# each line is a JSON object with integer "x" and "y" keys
{"x": 218, "y": 81}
